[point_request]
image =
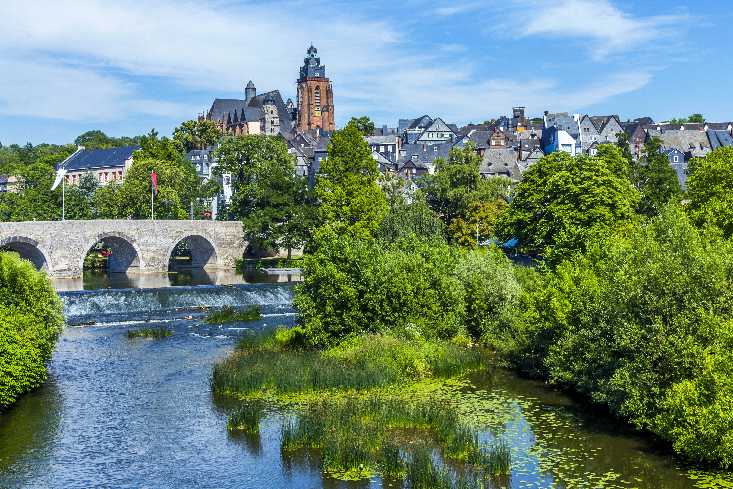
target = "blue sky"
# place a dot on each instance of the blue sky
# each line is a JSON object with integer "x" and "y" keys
{"x": 126, "y": 66}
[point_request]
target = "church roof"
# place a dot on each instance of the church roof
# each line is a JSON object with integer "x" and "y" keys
{"x": 91, "y": 159}
{"x": 223, "y": 109}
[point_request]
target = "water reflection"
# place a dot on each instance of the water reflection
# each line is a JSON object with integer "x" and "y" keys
{"x": 101, "y": 279}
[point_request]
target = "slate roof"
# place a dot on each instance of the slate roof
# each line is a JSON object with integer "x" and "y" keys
{"x": 719, "y": 126}
{"x": 389, "y": 139}
{"x": 426, "y": 154}
{"x": 719, "y": 139}
{"x": 421, "y": 122}
{"x": 225, "y": 109}
{"x": 693, "y": 142}
{"x": 500, "y": 162}
{"x": 92, "y": 159}
{"x": 480, "y": 138}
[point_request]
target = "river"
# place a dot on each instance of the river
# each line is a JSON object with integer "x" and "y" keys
{"x": 124, "y": 413}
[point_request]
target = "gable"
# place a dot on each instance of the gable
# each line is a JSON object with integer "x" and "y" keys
{"x": 439, "y": 125}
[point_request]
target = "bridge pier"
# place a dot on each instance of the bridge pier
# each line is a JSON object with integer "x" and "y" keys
{"x": 143, "y": 246}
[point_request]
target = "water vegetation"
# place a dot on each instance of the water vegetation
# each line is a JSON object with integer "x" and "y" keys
{"x": 152, "y": 333}
{"x": 229, "y": 314}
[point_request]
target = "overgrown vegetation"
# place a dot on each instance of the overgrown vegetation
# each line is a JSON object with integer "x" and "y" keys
{"x": 153, "y": 333}
{"x": 228, "y": 314}
{"x": 30, "y": 323}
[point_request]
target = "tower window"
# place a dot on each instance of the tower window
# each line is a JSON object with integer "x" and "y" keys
{"x": 317, "y": 96}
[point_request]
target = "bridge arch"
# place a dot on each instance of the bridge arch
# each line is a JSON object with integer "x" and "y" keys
{"x": 199, "y": 249}
{"x": 125, "y": 253}
{"x": 28, "y": 249}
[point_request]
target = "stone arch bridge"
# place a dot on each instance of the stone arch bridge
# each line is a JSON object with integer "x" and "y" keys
{"x": 59, "y": 247}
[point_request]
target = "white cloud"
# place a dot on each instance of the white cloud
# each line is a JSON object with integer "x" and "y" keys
{"x": 607, "y": 29}
{"x": 93, "y": 60}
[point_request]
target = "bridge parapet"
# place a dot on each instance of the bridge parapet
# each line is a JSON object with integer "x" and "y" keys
{"x": 60, "y": 246}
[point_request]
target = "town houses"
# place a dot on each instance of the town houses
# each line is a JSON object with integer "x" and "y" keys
{"x": 508, "y": 145}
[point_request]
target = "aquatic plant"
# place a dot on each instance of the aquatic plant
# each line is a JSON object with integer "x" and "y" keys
{"x": 154, "y": 333}
{"x": 246, "y": 418}
{"x": 359, "y": 436}
{"x": 228, "y": 314}
{"x": 270, "y": 362}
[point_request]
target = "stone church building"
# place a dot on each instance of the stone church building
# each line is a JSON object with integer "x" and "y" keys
{"x": 267, "y": 114}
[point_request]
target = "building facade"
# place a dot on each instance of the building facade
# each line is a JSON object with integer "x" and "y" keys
{"x": 315, "y": 95}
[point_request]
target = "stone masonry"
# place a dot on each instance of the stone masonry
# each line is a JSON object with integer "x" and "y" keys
{"x": 59, "y": 247}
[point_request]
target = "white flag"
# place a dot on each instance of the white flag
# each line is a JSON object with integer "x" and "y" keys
{"x": 60, "y": 174}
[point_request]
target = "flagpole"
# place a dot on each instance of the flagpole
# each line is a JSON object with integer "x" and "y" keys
{"x": 63, "y": 198}
{"x": 152, "y": 211}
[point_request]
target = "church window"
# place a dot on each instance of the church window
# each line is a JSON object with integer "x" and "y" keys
{"x": 317, "y": 95}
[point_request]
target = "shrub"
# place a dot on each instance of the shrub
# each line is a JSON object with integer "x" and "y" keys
{"x": 641, "y": 323}
{"x": 154, "y": 333}
{"x": 491, "y": 290}
{"x": 30, "y": 322}
{"x": 355, "y": 286}
{"x": 228, "y": 314}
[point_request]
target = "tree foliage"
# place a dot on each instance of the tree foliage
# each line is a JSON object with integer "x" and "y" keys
{"x": 97, "y": 139}
{"x": 350, "y": 201}
{"x": 710, "y": 190}
{"x": 641, "y": 323}
{"x": 197, "y": 134}
{"x": 464, "y": 199}
{"x": 655, "y": 179}
{"x": 30, "y": 323}
{"x": 364, "y": 124}
{"x": 272, "y": 202}
{"x": 565, "y": 202}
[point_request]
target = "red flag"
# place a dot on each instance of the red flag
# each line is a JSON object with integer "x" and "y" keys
{"x": 154, "y": 178}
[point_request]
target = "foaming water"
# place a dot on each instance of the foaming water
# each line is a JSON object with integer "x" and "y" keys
{"x": 129, "y": 304}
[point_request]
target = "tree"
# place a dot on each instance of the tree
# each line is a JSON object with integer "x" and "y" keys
{"x": 655, "y": 179}
{"x": 153, "y": 147}
{"x": 31, "y": 320}
{"x": 696, "y": 118}
{"x": 350, "y": 200}
{"x": 411, "y": 217}
{"x": 641, "y": 323}
{"x": 197, "y": 134}
{"x": 457, "y": 191}
{"x": 479, "y": 222}
{"x": 364, "y": 124}
{"x": 710, "y": 190}
{"x": 271, "y": 200}
{"x": 564, "y": 203}
{"x": 97, "y": 139}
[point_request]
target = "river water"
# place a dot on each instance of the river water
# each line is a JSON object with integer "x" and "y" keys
{"x": 124, "y": 413}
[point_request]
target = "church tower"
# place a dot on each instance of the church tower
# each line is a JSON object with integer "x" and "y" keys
{"x": 315, "y": 95}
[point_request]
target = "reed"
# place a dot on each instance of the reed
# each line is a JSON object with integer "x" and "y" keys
{"x": 264, "y": 362}
{"x": 228, "y": 314}
{"x": 246, "y": 419}
{"x": 154, "y": 333}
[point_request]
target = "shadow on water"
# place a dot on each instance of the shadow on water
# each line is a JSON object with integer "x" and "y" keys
{"x": 29, "y": 425}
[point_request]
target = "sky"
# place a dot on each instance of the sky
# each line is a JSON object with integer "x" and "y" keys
{"x": 127, "y": 66}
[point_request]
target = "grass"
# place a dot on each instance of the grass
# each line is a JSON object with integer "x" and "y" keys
{"x": 229, "y": 314}
{"x": 360, "y": 436}
{"x": 246, "y": 419}
{"x": 154, "y": 333}
{"x": 268, "y": 362}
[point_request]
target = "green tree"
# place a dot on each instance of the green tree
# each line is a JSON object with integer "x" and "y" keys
{"x": 640, "y": 323}
{"x": 655, "y": 179}
{"x": 97, "y": 139}
{"x": 272, "y": 202}
{"x": 30, "y": 322}
{"x": 479, "y": 223}
{"x": 364, "y": 124}
{"x": 197, "y": 134}
{"x": 153, "y": 147}
{"x": 349, "y": 197}
{"x": 710, "y": 190}
{"x": 697, "y": 118}
{"x": 354, "y": 286}
{"x": 564, "y": 202}
{"x": 411, "y": 217}
{"x": 456, "y": 191}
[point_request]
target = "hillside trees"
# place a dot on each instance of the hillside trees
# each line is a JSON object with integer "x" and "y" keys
{"x": 710, "y": 190}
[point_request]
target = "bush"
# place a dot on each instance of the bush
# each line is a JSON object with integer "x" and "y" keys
{"x": 354, "y": 286}
{"x": 30, "y": 322}
{"x": 491, "y": 289}
{"x": 641, "y": 323}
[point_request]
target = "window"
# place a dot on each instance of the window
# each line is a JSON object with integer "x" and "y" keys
{"x": 381, "y": 148}
{"x": 317, "y": 97}
{"x": 676, "y": 159}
